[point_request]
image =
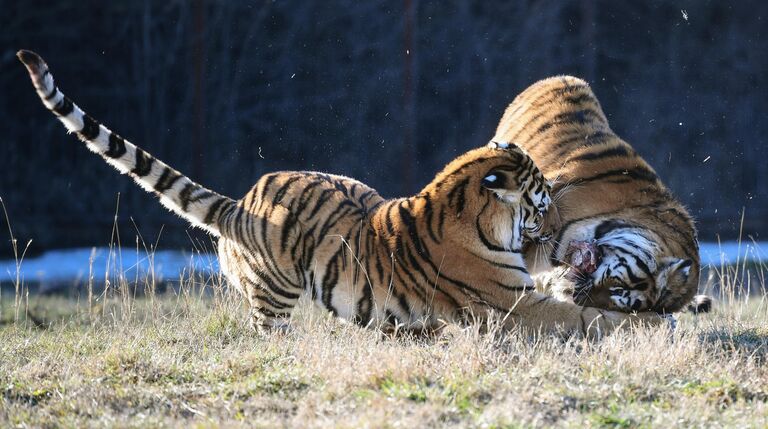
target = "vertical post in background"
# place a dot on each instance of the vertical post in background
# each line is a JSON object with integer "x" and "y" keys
{"x": 587, "y": 35}
{"x": 408, "y": 151}
{"x": 145, "y": 69}
{"x": 198, "y": 89}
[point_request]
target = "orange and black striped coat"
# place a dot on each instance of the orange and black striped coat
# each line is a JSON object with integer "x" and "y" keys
{"x": 604, "y": 193}
{"x": 455, "y": 247}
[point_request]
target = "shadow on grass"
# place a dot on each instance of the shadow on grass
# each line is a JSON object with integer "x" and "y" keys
{"x": 747, "y": 342}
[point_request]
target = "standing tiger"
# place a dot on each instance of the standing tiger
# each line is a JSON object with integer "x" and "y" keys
{"x": 624, "y": 242}
{"x": 455, "y": 247}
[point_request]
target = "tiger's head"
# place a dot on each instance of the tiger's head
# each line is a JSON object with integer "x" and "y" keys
{"x": 626, "y": 268}
{"x": 496, "y": 193}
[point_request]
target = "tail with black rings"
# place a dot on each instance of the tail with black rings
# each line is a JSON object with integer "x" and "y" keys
{"x": 198, "y": 205}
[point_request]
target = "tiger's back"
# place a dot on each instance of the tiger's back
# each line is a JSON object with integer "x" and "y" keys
{"x": 603, "y": 190}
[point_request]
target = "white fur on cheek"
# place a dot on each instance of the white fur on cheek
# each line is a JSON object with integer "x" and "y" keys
{"x": 504, "y": 230}
{"x": 636, "y": 244}
{"x": 630, "y": 246}
{"x": 511, "y": 197}
{"x": 508, "y": 229}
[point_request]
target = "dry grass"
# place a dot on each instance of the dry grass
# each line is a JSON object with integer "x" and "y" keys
{"x": 186, "y": 358}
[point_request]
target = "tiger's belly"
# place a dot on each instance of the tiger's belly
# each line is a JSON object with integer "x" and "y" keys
{"x": 354, "y": 297}
{"x": 339, "y": 283}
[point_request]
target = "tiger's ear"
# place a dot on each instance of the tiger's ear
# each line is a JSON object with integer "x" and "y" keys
{"x": 673, "y": 272}
{"x": 497, "y": 145}
{"x": 509, "y": 147}
{"x": 494, "y": 180}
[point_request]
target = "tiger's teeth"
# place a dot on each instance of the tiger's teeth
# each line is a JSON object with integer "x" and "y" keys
{"x": 577, "y": 259}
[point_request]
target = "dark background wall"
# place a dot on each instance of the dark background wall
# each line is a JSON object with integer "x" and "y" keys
{"x": 386, "y": 92}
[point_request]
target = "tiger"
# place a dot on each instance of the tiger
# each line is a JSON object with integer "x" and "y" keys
{"x": 452, "y": 252}
{"x": 624, "y": 242}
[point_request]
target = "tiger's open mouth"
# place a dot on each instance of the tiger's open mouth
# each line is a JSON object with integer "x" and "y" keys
{"x": 583, "y": 257}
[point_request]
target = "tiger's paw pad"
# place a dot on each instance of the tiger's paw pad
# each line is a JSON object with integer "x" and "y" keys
{"x": 583, "y": 257}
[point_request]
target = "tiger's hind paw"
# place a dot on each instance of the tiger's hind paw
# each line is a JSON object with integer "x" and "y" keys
{"x": 266, "y": 325}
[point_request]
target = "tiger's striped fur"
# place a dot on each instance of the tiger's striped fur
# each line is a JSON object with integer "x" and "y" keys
{"x": 603, "y": 191}
{"x": 454, "y": 247}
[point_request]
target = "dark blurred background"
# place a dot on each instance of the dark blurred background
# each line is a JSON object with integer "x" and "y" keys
{"x": 386, "y": 92}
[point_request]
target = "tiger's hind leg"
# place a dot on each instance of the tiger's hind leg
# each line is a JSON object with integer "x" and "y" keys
{"x": 272, "y": 293}
{"x": 263, "y": 318}
{"x": 268, "y": 310}
{"x": 271, "y": 304}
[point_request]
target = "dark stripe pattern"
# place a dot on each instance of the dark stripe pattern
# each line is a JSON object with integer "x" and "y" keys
{"x": 560, "y": 122}
{"x": 395, "y": 254}
{"x": 410, "y": 261}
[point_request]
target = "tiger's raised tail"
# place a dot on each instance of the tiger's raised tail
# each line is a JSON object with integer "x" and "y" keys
{"x": 200, "y": 206}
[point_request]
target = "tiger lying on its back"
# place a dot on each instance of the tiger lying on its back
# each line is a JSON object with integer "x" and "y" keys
{"x": 454, "y": 247}
{"x": 624, "y": 242}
